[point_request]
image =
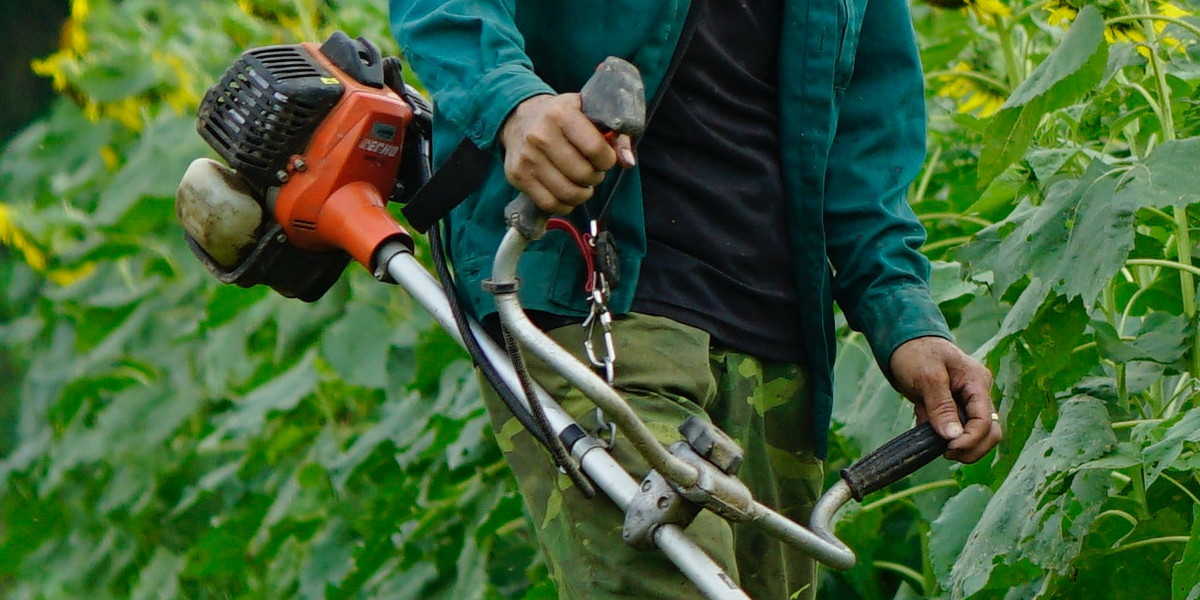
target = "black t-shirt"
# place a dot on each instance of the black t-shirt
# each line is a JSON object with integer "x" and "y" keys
{"x": 718, "y": 256}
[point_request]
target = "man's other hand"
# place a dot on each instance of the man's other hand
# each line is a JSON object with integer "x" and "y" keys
{"x": 932, "y": 372}
{"x": 553, "y": 153}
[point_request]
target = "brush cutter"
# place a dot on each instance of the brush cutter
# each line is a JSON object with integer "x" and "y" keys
{"x": 316, "y": 139}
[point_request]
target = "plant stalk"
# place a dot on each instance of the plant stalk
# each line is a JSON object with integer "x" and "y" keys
{"x": 908, "y": 572}
{"x": 1183, "y": 243}
{"x": 1166, "y": 539}
{"x": 912, "y": 491}
{"x": 1012, "y": 65}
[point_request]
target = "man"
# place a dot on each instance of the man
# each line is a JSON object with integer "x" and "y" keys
{"x": 771, "y": 180}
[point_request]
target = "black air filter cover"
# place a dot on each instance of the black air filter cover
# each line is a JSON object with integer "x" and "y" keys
{"x": 265, "y": 108}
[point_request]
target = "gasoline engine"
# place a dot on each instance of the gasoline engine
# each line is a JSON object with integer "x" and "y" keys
{"x": 316, "y": 139}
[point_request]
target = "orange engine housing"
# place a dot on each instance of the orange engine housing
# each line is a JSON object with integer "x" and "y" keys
{"x": 335, "y": 196}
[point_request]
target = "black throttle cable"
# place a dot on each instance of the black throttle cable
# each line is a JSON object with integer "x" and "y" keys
{"x": 533, "y": 420}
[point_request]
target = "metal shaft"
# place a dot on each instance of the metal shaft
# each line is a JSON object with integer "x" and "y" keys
{"x": 599, "y": 465}
{"x": 821, "y": 545}
{"x": 504, "y": 270}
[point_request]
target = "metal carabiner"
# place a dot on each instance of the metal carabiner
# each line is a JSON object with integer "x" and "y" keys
{"x": 599, "y": 314}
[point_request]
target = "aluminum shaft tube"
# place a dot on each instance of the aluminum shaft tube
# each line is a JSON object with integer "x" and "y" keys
{"x": 597, "y": 463}
{"x": 823, "y": 546}
{"x": 817, "y": 542}
{"x": 504, "y": 270}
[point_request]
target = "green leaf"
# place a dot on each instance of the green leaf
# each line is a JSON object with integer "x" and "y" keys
{"x": 471, "y": 573}
{"x": 999, "y": 193}
{"x": 1185, "y": 577}
{"x": 862, "y": 389}
{"x": 949, "y": 532}
{"x": 946, "y": 282}
{"x": 860, "y": 529}
{"x": 356, "y": 348}
{"x": 1163, "y": 339}
{"x": 1023, "y": 312}
{"x": 160, "y": 578}
{"x": 154, "y": 168}
{"x": 1043, "y": 509}
{"x": 279, "y": 394}
{"x": 330, "y": 560}
{"x": 1070, "y": 71}
{"x": 1008, "y": 134}
{"x": 400, "y": 421}
{"x": 227, "y": 301}
{"x": 1160, "y": 455}
{"x": 1132, "y": 572}
{"x": 1076, "y": 240}
{"x": 1166, "y": 178}
{"x": 1047, "y": 162}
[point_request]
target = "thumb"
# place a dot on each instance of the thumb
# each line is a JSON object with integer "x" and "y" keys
{"x": 943, "y": 412}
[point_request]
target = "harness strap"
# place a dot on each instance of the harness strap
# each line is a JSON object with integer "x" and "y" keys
{"x": 460, "y": 176}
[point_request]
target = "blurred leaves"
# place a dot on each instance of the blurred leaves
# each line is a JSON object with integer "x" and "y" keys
{"x": 1070, "y": 71}
{"x": 1071, "y": 211}
{"x": 180, "y": 439}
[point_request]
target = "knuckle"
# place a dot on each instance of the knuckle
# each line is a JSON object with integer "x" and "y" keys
{"x": 585, "y": 175}
{"x": 930, "y": 378}
{"x": 578, "y": 195}
{"x": 516, "y": 178}
{"x": 538, "y": 136}
{"x": 559, "y": 110}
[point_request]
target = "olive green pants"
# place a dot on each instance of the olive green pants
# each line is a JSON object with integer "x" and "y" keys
{"x": 668, "y": 371}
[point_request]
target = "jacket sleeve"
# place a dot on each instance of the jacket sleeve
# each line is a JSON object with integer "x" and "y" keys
{"x": 470, "y": 57}
{"x": 881, "y": 280}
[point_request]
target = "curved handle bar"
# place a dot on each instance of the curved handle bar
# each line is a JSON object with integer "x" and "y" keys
{"x": 895, "y": 460}
{"x": 900, "y": 457}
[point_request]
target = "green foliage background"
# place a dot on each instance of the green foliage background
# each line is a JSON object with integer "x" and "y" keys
{"x": 168, "y": 437}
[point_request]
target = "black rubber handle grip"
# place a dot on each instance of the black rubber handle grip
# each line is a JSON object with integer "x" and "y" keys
{"x": 895, "y": 460}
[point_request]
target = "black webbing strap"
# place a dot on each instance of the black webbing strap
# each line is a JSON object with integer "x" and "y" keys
{"x": 450, "y": 184}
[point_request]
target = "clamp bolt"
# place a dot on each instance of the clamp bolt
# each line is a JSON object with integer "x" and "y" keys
{"x": 713, "y": 444}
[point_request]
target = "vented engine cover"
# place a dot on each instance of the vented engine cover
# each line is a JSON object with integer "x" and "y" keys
{"x": 265, "y": 109}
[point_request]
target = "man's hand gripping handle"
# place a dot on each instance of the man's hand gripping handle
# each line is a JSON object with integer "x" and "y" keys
{"x": 614, "y": 100}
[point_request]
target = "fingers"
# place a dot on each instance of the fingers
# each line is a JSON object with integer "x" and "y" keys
{"x": 933, "y": 400}
{"x": 939, "y": 377}
{"x": 623, "y": 144}
{"x": 981, "y": 432}
{"x": 553, "y": 153}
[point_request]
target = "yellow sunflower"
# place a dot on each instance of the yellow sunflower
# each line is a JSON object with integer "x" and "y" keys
{"x": 971, "y": 94}
{"x": 1062, "y": 14}
{"x": 988, "y": 10}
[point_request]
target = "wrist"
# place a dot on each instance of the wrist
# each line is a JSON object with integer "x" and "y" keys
{"x": 511, "y": 127}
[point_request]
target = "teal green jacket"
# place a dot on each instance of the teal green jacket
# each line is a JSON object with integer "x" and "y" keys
{"x": 853, "y": 118}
